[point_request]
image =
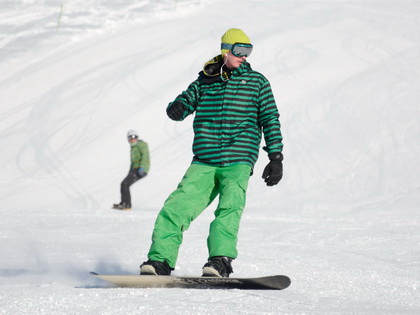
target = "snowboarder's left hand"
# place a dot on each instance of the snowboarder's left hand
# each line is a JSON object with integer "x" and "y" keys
{"x": 273, "y": 172}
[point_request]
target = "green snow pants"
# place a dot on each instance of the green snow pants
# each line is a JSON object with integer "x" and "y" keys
{"x": 198, "y": 188}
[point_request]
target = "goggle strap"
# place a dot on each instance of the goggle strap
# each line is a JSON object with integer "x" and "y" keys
{"x": 226, "y": 46}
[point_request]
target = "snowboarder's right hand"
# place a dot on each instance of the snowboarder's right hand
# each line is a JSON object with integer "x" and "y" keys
{"x": 176, "y": 110}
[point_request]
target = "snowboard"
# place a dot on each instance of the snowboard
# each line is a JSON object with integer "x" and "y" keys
{"x": 278, "y": 282}
{"x": 115, "y": 207}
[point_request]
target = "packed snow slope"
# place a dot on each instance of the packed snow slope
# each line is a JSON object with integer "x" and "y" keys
{"x": 343, "y": 223}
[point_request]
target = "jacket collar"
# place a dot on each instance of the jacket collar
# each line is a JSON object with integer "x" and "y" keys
{"x": 211, "y": 70}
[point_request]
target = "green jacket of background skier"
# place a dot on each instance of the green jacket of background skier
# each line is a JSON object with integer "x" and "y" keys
{"x": 140, "y": 156}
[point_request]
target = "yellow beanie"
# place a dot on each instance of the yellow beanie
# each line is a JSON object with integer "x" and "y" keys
{"x": 232, "y": 36}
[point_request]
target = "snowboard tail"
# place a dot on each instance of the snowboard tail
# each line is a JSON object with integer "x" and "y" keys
{"x": 277, "y": 282}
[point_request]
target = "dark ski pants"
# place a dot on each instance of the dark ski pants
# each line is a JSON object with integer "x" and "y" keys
{"x": 129, "y": 180}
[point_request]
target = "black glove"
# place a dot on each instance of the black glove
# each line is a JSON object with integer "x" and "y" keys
{"x": 176, "y": 110}
{"x": 273, "y": 172}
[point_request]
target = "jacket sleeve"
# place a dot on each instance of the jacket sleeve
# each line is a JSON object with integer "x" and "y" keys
{"x": 269, "y": 120}
{"x": 189, "y": 99}
{"x": 135, "y": 157}
{"x": 145, "y": 157}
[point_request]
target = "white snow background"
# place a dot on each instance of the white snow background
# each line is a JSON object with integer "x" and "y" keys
{"x": 343, "y": 224}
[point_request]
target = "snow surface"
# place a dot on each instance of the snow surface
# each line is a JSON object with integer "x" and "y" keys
{"x": 75, "y": 75}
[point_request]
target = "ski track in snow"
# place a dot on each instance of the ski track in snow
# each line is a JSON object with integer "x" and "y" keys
{"x": 344, "y": 221}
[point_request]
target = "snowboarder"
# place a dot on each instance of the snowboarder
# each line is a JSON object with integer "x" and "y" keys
{"x": 233, "y": 106}
{"x": 139, "y": 168}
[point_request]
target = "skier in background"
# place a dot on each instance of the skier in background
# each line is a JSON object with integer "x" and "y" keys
{"x": 233, "y": 106}
{"x": 139, "y": 168}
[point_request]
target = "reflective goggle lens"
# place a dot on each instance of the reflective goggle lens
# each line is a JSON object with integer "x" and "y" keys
{"x": 238, "y": 49}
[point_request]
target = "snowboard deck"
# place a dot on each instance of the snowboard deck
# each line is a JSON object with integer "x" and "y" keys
{"x": 277, "y": 282}
{"x": 116, "y": 208}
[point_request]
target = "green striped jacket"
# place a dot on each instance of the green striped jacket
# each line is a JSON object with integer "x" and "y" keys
{"x": 231, "y": 115}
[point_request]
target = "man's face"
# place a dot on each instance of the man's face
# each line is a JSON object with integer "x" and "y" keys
{"x": 132, "y": 140}
{"x": 233, "y": 62}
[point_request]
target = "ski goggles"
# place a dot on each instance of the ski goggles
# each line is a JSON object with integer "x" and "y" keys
{"x": 238, "y": 49}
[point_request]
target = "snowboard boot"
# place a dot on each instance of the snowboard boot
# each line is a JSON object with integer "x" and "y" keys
{"x": 154, "y": 267}
{"x": 218, "y": 267}
{"x": 122, "y": 206}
